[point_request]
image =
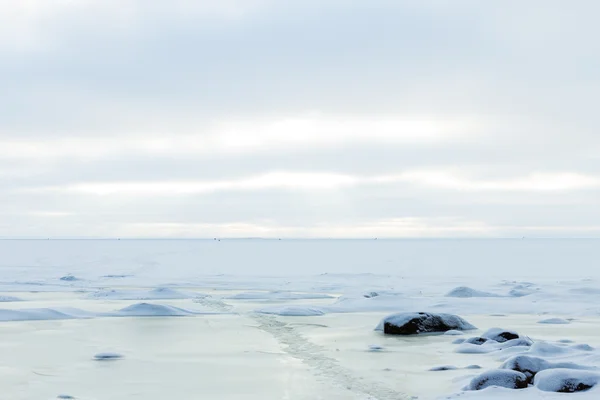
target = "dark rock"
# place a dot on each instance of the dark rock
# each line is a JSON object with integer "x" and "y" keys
{"x": 444, "y": 368}
{"x": 415, "y": 323}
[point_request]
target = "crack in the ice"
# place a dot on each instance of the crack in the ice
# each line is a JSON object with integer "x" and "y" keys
{"x": 313, "y": 355}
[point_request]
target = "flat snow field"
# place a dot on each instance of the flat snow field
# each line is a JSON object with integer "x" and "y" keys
{"x": 289, "y": 319}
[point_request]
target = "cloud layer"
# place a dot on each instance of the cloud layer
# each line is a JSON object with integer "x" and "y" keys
{"x": 328, "y": 118}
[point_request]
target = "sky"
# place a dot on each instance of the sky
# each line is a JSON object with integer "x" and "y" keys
{"x": 312, "y": 118}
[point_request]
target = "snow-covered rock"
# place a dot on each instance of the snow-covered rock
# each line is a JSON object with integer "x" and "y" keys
{"x": 566, "y": 380}
{"x": 478, "y": 340}
{"x": 531, "y": 366}
{"x": 491, "y": 346}
{"x": 499, "y": 377}
{"x": 500, "y": 335}
{"x": 421, "y": 322}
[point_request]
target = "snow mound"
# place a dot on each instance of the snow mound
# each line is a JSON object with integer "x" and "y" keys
{"x": 276, "y": 295}
{"x": 160, "y": 293}
{"x": 583, "y": 347}
{"x": 41, "y": 314}
{"x": 65, "y": 397}
{"x": 467, "y": 292}
{"x": 545, "y": 349}
{"x": 566, "y": 380}
{"x": 108, "y": 356}
{"x": 554, "y": 321}
{"x": 421, "y": 322}
{"x": 375, "y": 347}
{"x": 153, "y": 310}
{"x": 292, "y": 311}
{"x": 499, "y": 377}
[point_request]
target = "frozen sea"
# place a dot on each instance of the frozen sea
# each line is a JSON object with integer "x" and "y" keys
{"x": 283, "y": 319}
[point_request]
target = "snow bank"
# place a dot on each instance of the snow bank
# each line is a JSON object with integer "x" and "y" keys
{"x": 566, "y": 380}
{"x": 467, "y": 292}
{"x": 421, "y": 322}
{"x": 292, "y": 311}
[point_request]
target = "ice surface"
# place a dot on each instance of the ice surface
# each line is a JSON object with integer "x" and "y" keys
{"x": 315, "y": 342}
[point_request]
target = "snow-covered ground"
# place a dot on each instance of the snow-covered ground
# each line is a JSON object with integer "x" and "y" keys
{"x": 270, "y": 319}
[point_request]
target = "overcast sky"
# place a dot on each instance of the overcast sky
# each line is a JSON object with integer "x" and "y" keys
{"x": 299, "y": 118}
